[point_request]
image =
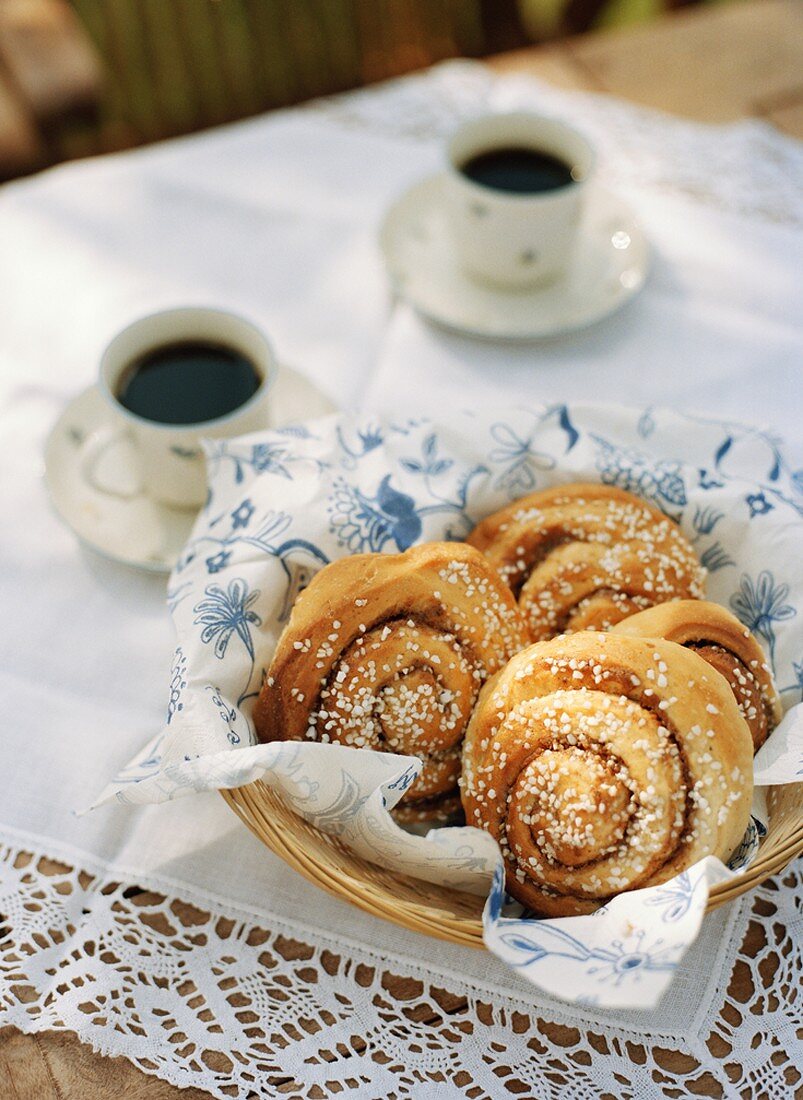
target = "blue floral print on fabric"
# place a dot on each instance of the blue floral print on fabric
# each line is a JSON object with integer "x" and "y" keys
{"x": 761, "y": 603}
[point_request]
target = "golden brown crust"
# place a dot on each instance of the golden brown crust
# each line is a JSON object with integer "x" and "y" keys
{"x": 585, "y": 556}
{"x": 389, "y": 651}
{"x": 603, "y": 763}
{"x": 727, "y": 645}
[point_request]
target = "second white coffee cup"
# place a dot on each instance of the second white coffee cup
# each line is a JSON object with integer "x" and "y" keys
{"x": 515, "y": 240}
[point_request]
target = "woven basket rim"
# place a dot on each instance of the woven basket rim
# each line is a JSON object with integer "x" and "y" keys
{"x": 328, "y": 864}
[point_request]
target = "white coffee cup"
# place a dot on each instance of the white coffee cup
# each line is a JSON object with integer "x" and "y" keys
{"x": 168, "y": 459}
{"x": 507, "y": 238}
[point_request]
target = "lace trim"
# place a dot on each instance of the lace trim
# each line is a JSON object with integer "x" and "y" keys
{"x": 199, "y": 993}
{"x": 746, "y": 168}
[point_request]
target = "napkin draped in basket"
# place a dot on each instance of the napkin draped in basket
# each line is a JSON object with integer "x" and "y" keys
{"x": 284, "y": 503}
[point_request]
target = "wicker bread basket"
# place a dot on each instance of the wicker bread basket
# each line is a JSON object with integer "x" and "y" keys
{"x": 450, "y": 914}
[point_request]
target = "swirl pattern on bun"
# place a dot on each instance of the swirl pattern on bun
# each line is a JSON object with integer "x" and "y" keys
{"x": 389, "y": 652}
{"x": 603, "y": 763}
{"x": 727, "y": 645}
{"x": 585, "y": 556}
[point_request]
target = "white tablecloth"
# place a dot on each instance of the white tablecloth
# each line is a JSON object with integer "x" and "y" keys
{"x": 277, "y": 218}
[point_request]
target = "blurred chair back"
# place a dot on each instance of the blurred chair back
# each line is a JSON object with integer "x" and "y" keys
{"x": 179, "y": 65}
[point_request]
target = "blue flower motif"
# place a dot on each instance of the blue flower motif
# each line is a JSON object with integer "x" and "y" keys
{"x": 669, "y": 482}
{"x": 631, "y": 470}
{"x": 146, "y": 763}
{"x": 715, "y": 557}
{"x": 227, "y": 713}
{"x": 674, "y": 899}
{"x": 430, "y": 465}
{"x": 225, "y": 612}
{"x": 496, "y": 897}
{"x": 267, "y": 458}
{"x": 273, "y": 524}
{"x": 646, "y": 424}
{"x": 218, "y": 561}
{"x": 405, "y": 525}
{"x": 706, "y": 519}
{"x": 536, "y": 940}
{"x": 361, "y": 522}
{"x": 627, "y": 960}
{"x": 177, "y": 684}
{"x": 519, "y": 459}
{"x": 371, "y": 438}
{"x": 403, "y": 781}
{"x": 761, "y": 603}
{"x": 241, "y": 516}
{"x": 708, "y": 480}
{"x": 758, "y": 504}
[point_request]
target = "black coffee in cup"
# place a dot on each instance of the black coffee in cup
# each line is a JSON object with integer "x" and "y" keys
{"x": 188, "y": 382}
{"x": 519, "y": 170}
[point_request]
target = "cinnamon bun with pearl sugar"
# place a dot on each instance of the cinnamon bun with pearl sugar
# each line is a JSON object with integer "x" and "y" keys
{"x": 727, "y": 645}
{"x": 389, "y": 652}
{"x": 603, "y": 763}
{"x": 585, "y": 556}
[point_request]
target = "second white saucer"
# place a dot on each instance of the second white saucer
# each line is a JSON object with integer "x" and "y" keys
{"x": 609, "y": 266}
{"x": 134, "y": 529}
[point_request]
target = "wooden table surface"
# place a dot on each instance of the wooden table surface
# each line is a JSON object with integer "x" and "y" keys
{"x": 714, "y": 64}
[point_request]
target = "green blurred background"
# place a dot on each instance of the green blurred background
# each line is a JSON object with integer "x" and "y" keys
{"x": 79, "y": 77}
{"x": 178, "y": 65}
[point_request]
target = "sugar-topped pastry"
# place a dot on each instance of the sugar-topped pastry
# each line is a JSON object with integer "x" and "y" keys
{"x": 389, "y": 652}
{"x": 603, "y": 763}
{"x": 727, "y": 645}
{"x": 585, "y": 556}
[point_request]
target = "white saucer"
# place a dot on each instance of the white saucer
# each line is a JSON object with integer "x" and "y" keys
{"x": 137, "y": 531}
{"x": 609, "y": 266}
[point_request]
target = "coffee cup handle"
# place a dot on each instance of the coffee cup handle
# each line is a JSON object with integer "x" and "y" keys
{"x": 95, "y": 449}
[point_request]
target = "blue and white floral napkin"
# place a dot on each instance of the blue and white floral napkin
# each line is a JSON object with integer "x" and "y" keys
{"x": 284, "y": 503}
